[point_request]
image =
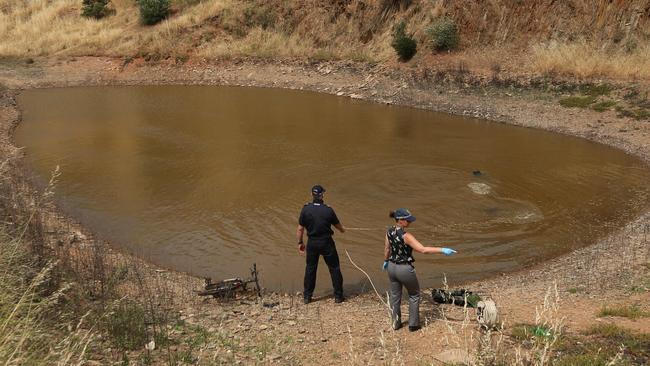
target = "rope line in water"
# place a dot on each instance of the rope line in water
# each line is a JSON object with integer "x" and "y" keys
{"x": 521, "y": 219}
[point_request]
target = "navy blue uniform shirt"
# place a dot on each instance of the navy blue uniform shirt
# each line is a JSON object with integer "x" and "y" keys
{"x": 318, "y": 218}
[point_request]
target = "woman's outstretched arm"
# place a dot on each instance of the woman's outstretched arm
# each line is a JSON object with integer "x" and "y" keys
{"x": 418, "y": 247}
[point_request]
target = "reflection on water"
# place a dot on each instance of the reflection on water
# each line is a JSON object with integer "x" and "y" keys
{"x": 210, "y": 179}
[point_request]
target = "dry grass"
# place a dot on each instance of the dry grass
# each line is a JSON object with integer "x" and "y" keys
{"x": 30, "y": 292}
{"x": 587, "y": 60}
{"x": 58, "y": 289}
{"x": 217, "y": 28}
{"x": 56, "y": 299}
{"x": 42, "y": 27}
{"x": 632, "y": 312}
{"x": 312, "y": 29}
{"x": 260, "y": 43}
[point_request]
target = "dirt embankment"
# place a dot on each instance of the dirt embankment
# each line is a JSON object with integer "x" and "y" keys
{"x": 584, "y": 38}
{"x": 281, "y": 329}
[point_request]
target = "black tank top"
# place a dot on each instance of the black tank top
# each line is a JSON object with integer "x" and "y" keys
{"x": 400, "y": 252}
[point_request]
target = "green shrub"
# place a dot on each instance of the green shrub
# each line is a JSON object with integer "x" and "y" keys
{"x": 95, "y": 8}
{"x": 403, "y": 44}
{"x": 444, "y": 34}
{"x": 153, "y": 11}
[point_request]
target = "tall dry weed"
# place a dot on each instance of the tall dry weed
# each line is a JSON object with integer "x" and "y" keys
{"x": 27, "y": 333}
{"x": 549, "y": 326}
{"x": 29, "y": 288}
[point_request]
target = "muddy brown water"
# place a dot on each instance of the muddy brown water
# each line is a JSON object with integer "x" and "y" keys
{"x": 208, "y": 180}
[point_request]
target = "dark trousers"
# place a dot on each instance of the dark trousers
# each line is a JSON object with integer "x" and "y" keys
{"x": 328, "y": 250}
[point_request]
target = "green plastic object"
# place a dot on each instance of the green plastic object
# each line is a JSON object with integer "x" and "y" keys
{"x": 472, "y": 300}
{"x": 540, "y": 331}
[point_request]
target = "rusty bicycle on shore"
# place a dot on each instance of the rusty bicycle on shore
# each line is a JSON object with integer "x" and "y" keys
{"x": 226, "y": 289}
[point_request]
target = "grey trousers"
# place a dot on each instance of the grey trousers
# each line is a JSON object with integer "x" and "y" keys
{"x": 404, "y": 275}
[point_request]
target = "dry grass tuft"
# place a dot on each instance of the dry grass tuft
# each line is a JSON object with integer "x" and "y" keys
{"x": 587, "y": 60}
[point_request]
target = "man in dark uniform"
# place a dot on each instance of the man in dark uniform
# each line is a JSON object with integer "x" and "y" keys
{"x": 318, "y": 218}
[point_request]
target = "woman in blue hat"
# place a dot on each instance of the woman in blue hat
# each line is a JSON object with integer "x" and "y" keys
{"x": 398, "y": 260}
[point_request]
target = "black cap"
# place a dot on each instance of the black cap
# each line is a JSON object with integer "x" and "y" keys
{"x": 317, "y": 190}
{"x": 404, "y": 214}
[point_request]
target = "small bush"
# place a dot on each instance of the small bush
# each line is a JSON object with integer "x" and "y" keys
{"x": 95, "y": 8}
{"x": 403, "y": 44}
{"x": 444, "y": 34}
{"x": 153, "y": 11}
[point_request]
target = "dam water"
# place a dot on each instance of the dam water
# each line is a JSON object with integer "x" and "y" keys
{"x": 208, "y": 180}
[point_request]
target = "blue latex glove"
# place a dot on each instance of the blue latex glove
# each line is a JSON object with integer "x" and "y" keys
{"x": 448, "y": 251}
{"x": 384, "y": 266}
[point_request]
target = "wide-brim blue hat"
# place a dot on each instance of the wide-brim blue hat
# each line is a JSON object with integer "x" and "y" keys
{"x": 404, "y": 214}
